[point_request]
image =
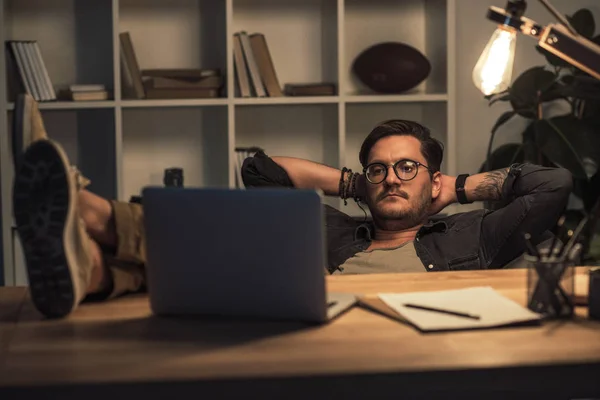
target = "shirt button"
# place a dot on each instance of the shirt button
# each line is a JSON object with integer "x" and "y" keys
{"x": 430, "y": 266}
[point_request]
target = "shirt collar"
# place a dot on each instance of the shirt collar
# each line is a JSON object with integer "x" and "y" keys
{"x": 366, "y": 230}
{"x": 434, "y": 226}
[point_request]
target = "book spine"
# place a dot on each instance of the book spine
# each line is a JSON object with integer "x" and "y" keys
{"x": 254, "y": 72}
{"x": 132, "y": 64}
{"x": 265, "y": 64}
{"x": 20, "y": 63}
{"x": 211, "y": 82}
{"x": 35, "y": 90}
{"x": 240, "y": 67}
{"x": 37, "y": 72}
{"x": 44, "y": 71}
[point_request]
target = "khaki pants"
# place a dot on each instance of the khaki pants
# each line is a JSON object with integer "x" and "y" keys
{"x": 127, "y": 264}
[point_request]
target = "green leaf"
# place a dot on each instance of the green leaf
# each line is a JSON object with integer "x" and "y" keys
{"x": 577, "y": 86}
{"x": 502, "y": 120}
{"x": 505, "y": 97}
{"x": 504, "y": 156}
{"x": 531, "y": 151}
{"x": 524, "y": 91}
{"x": 554, "y": 143}
{"x": 583, "y": 136}
{"x": 588, "y": 190}
{"x": 583, "y": 22}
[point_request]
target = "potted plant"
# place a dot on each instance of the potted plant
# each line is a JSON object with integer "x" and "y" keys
{"x": 561, "y": 107}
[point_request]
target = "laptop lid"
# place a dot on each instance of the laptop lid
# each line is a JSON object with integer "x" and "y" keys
{"x": 247, "y": 253}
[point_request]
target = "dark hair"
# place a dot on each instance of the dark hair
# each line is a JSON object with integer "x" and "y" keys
{"x": 432, "y": 149}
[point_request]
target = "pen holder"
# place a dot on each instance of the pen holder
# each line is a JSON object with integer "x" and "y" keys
{"x": 550, "y": 286}
{"x": 594, "y": 294}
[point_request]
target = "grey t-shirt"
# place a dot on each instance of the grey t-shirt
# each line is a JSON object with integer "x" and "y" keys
{"x": 398, "y": 259}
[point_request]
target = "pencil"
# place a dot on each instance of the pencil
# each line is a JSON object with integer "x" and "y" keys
{"x": 442, "y": 311}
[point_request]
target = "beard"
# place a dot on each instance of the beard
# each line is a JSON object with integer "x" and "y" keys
{"x": 400, "y": 216}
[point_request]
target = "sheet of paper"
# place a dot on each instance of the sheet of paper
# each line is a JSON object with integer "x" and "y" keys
{"x": 492, "y": 308}
{"x": 337, "y": 303}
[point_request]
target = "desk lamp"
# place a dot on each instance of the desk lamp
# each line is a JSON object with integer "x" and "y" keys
{"x": 493, "y": 72}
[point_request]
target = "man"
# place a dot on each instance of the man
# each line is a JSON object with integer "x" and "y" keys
{"x": 78, "y": 245}
{"x": 402, "y": 185}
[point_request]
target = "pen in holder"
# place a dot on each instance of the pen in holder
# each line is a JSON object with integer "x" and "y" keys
{"x": 551, "y": 280}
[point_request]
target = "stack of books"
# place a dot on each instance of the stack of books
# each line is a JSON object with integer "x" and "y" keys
{"x": 25, "y": 58}
{"x": 184, "y": 83}
{"x": 255, "y": 71}
{"x": 310, "y": 89}
{"x": 254, "y": 68}
{"x": 85, "y": 93}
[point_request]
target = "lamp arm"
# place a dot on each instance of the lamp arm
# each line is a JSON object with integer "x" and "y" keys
{"x": 561, "y": 18}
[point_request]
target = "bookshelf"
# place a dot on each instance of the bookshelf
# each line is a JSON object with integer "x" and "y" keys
{"x": 124, "y": 144}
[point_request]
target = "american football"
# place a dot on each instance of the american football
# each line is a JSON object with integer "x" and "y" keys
{"x": 391, "y": 67}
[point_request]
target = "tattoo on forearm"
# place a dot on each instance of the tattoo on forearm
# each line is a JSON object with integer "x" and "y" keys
{"x": 491, "y": 186}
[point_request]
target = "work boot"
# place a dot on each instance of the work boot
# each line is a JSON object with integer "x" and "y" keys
{"x": 28, "y": 125}
{"x": 53, "y": 235}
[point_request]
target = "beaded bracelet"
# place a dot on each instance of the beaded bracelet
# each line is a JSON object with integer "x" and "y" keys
{"x": 353, "y": 190}
{"x": 347, "y": 186}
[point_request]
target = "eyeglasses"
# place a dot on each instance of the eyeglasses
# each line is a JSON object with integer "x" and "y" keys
{"x": 405, "y": 170}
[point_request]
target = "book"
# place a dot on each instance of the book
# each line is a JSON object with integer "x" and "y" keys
{"x": 37, "y": 71}
{"x": 160, "y": 82}
{"x": 86, "y": 87}
{"x": 170, "y": 93}
{"x": 182, "y": 73}
{"x": 94, "y": 95}
{"x": 36, "y": 91}
{"x": 44, "y": 71}
{"x": 310, "y": 89}
{"x": 252, "y": 66}
{"x": 90, "y": 96}
{"x": 265, "y": 64}
{"x": 131, "y": 64}
{"x": 241, "y": 70}
{"x": 18, "y": 65}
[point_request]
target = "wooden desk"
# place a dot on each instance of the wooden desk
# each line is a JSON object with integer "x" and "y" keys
{"x": 117, "y": 349}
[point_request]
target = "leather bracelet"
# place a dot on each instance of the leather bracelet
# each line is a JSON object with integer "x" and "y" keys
{"x": 460, "y": 189}
{"x": 341, "y": 185}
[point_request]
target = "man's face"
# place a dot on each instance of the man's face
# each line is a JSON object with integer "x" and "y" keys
{"x": 397, "y": 204}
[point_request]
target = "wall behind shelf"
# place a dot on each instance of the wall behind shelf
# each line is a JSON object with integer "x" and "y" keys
{"x": 301, "y": 36}
{"x": 304, "y": 131}
{"x": 194, "y": 139}
{"x": 159, "y": 30}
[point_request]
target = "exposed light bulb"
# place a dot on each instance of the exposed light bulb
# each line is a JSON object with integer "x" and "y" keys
{"x": 493, "y": 72}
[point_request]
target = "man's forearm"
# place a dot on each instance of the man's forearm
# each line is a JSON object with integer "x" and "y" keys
{"x": 310, "y": 175}
{"x": 486, "y": 186}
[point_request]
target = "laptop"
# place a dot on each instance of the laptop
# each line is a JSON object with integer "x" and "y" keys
{"x": 256, "y": 253}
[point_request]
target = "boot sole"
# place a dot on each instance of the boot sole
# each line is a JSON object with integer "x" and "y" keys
{"x": 22, "y": 135}
{"x": 43, "y": 207}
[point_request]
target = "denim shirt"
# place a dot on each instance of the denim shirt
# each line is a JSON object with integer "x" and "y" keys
{"x": 533, "y": 198}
